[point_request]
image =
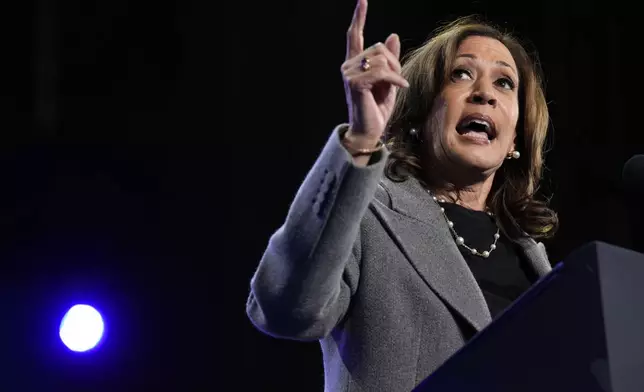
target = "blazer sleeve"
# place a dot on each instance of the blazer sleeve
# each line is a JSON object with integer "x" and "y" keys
{"x": 310, "y": 268}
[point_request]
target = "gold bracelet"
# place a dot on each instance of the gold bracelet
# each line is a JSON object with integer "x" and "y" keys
{"x": 356, "y": 152}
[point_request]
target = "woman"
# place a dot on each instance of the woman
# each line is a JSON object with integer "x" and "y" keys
{"x": 393, "y": 256}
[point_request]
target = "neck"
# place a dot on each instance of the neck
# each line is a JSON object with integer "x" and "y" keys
{"x": 472, "y": 194}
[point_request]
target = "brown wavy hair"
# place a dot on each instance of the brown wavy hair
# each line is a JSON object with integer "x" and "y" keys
{"x": 513, "y": 197}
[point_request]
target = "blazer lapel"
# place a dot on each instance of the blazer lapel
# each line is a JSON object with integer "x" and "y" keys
{"x": 416, "y": 223}
{"x": 536, "y": 256}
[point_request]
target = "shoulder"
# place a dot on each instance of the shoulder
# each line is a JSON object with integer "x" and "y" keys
{"x": 406, "y": 196}
{"x": 401, "y": 200}
{"x": 389, "y": 191}
{"x": 383, "y": 192}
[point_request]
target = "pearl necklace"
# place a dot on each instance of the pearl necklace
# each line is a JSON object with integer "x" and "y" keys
{"x": 460, "y": 240}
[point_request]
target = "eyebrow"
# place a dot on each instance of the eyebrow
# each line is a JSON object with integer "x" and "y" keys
{"x": 498, "y": 62}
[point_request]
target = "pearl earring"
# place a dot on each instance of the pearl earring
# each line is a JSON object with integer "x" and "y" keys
{"x": 413, "y": 133}
{"x": 514, "y": 155}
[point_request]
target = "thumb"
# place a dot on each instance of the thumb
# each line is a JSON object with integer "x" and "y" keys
{"x": 393, "y": 44}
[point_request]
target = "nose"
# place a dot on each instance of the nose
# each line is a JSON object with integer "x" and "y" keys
{"x": 482, "y": 95}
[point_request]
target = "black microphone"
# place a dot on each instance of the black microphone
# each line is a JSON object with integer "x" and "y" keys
{"x": 633, "y": 181}
{"x": 633, "y": 175}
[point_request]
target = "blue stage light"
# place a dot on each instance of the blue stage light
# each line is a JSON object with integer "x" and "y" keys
{"x": 82, "y": 328}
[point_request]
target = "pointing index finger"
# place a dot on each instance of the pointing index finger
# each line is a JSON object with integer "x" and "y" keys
{"x": 355, "y": 38}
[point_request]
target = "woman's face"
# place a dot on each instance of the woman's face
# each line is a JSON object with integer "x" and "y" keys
{"x": 473, "y": 122}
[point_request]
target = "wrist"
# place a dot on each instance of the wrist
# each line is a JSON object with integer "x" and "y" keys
{"x": 359, "y": 145}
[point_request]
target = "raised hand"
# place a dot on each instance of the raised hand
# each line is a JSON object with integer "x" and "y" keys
{"x": 371, "y": 78}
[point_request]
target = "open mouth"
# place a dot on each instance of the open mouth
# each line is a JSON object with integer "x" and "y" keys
{"x": 478, "y": 123}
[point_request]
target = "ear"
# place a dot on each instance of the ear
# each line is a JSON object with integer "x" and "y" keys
{"x": 514, "y": 142}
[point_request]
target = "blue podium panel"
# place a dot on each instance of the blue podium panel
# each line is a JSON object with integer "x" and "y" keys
{"x": 579, "y": 329}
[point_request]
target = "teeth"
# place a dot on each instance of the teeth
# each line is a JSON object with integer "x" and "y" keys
{"x": 482, "y": 122}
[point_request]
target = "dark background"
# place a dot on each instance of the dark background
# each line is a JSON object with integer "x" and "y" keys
{"x": 149, "y": 149}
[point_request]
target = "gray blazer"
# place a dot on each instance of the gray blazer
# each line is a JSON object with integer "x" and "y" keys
{"x": 369, "y": 268}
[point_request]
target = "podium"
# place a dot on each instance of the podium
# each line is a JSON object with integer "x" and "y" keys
{"x": 578, "y": 329}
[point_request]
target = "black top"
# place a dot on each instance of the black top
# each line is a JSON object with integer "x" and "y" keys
{"x": 503, "y": 276}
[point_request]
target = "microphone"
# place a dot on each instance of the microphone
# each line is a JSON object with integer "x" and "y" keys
{"x": 633, "y": 174}
{"x": 633, "y": 181}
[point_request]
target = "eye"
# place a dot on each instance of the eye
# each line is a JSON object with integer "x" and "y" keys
{"x": 505, "y": 83}
{"x": 461, "y": 74}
